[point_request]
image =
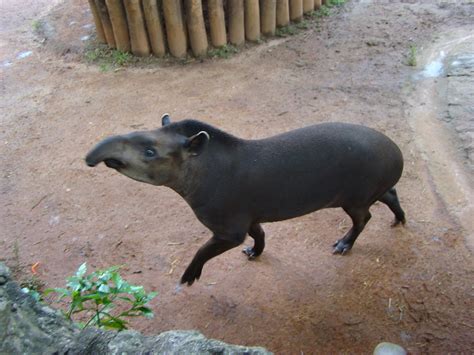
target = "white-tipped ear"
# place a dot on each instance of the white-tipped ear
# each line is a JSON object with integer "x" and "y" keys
{"x": 196, "y": 144}
{"x": 165, "y": 119}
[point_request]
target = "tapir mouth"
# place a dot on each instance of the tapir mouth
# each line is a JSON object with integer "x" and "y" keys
{"x": 114, "y": 163}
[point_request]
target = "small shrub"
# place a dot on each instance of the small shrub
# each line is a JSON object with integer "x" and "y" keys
{"x": 98, "y": 293}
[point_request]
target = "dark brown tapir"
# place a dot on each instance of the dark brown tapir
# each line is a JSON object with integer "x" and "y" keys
{"x": 233, "y": 185}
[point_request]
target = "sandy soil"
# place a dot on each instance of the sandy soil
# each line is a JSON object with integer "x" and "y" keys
{"x": 407, "y": 285}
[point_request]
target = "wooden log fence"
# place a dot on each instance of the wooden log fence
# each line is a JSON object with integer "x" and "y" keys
{"x": 158, "y": 27}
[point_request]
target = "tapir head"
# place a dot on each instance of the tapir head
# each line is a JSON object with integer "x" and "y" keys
{"x": 155, "y": 157}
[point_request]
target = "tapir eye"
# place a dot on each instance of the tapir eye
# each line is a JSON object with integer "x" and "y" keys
{"x": 150, "y": 152}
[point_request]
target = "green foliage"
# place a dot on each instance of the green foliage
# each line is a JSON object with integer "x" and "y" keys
{"x": 286, "y": 31}
{"x": 107, "y": 58}
{"x": 330, "y": 3}
{"x": 225, "y": 51}
{"x": 412, "y": 56}
{"x": 37, "y": 25}
{"x": 33, "y": 286}
{"x": 98, "y": 293}
{"x": 121, "y": 58}
{"x": 323, "y": 11}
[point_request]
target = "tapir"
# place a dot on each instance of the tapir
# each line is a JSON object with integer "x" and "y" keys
{"x": 234, "y": 185}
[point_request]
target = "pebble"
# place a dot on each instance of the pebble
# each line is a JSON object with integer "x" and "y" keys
{"x": 389, "y": 349}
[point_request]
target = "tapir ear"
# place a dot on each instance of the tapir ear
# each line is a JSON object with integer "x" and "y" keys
{"x": 165, "y": 119}
{"x": 196, "y": 144}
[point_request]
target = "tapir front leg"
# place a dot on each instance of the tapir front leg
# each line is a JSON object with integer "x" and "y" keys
{"x": 214, "y": 246}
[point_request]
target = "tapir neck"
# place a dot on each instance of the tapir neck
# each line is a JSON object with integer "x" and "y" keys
{"x": 200, "y": 176}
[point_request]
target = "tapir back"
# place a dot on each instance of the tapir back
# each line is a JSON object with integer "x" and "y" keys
{"x": 325, "y": 165}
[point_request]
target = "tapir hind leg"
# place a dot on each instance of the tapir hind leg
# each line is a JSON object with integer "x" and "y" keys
{"x": 360, "y": 216}
{"x": 390, "y": 198}
{"x": 214, "y": 246}
{"x": 257, "y": 233}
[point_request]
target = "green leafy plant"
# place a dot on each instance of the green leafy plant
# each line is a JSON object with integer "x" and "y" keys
{"x": 100, "y": 292}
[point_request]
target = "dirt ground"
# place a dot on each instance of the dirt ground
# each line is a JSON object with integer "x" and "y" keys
{"x": 410, "y": 285}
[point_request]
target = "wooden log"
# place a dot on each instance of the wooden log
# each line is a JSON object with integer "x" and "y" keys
{"x": 296, "y": 10}
{"x": 106, "y": 24}
{"x": 215, "y": 9}
{"x": 154, "y": 27}
{"x": 98, "y": 23}
{"x": 196, "y": 28}
{"x": 268, "y": 17}
{"x": 252, "y": 20}
{"x": 282, "y": 13}
{"x": 317, "y": 4}
{"x": 308, "y": 6}
{"x": 136, "y": 27}
{"x": 236, "y": 22}
{"x": 118, "y": 19}
{"x": 175, "y": 28}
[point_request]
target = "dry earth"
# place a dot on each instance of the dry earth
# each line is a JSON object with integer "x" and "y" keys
{"x": 410, "y": 285}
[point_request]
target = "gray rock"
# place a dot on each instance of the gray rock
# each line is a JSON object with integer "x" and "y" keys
{"x": 29, "y": 327}
{"x": 389, "y": 349}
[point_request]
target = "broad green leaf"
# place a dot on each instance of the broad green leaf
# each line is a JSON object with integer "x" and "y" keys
{"x": 104, "y": 288}
{"x": 82, "y": 270}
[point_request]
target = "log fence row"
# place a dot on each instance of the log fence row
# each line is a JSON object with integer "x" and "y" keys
{"x": 158, "y": 27}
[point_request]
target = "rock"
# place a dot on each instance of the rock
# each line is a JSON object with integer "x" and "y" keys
{"x": 389, "y": 349}
{"x": 28, "y": 327}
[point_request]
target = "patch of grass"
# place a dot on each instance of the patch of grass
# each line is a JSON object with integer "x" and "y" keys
{"x": 411, "y": 61}
{"x": 108, "y": 58}
{"x": 121, "y": 58}
{"x": 104, "y": 67}
{"x": 323, "y": 11}
{"x": 223, "y": 52}
{"x": 302, "y": 25}
{"x": 286, "y": 31}
{"x": 37, "y": 25}
{"x": 330, "y": 3}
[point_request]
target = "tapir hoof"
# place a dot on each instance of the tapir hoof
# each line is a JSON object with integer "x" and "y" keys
{"x": 250, "y": 252}
{"x": 396, "y": 222}
{"x": 191, "y": 274}
{"x": 340, "y": 247}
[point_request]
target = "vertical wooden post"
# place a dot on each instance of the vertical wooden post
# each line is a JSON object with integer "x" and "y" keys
{"x": 175, "y": 28}
{"x": 136, "y": 26}
{"x": 217, "y": 22}
{"x": 308, "y": 6}
{"x": 106, "y": 24}
{"x": 252, "y": 20}
{"x": 236, "y": 21}
{"x": 196, "y": 28}
{"x": 282, "y": 13}
{"x": 296, "y": 10}
{"x": 268, "y": 16}
{"x": 98, "y": 23}
{"x": 118, "y": 20}
{"x": 154, "y": 27}
{"x": 317, "y": 4}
